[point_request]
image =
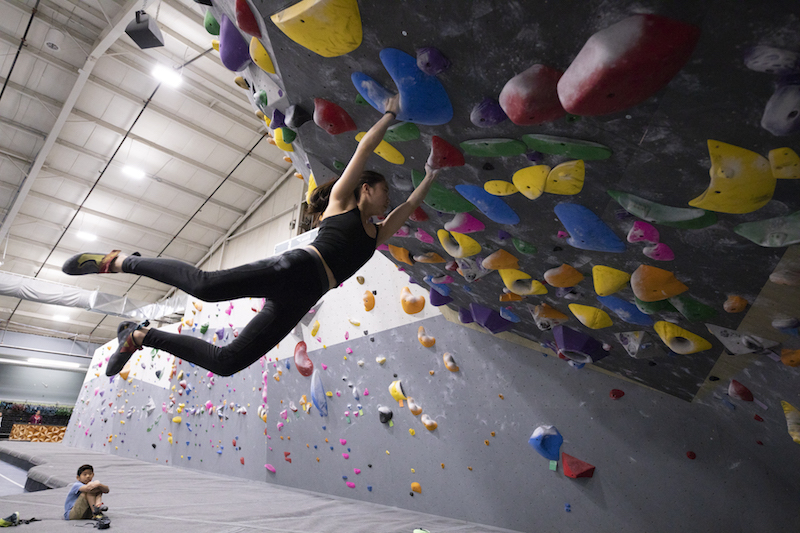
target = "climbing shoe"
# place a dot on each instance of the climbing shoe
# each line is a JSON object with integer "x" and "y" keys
{"x": 9, "y": 521}
{"x": 127, "y": 346}
{"x": 89, "y": 263}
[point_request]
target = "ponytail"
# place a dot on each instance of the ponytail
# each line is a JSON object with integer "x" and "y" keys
{"x": 319, "y": 199}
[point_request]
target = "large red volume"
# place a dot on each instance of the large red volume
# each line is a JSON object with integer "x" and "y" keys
{"x": 246, "y": 20}
{"x": 331, "y": 117}
{"x": 304, "y": 365}
{"x": 575, "y": 468}
{"x": 531, "y": 97}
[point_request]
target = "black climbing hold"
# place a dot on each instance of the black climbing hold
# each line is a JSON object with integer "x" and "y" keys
{"x": 375, "y": 293}
{"x": 713, "y": 378}
{"x": 369, "y": 466}
{"x": 154, "y": 446}
{"x": 488, "y": 166}
{"x": 296, "y": 116}
{"x": 651, "y": 363}
{"x": 395, "y": 375}
{"x": 372, "y": 339}
{"x": 411, "y": 494}
{"x": 557, "y": 248}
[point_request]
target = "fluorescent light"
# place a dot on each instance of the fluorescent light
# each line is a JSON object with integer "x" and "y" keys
{"x": 52, "y": 362}
{"x": 167, "y": 75}
{"x": 60, "y": 318}
{"x": 133, "y": 172}
{"x": 44, "y": 363}
{"x": 86, "y": 236}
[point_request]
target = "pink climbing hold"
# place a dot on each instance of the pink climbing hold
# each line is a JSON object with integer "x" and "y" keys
{"x": 404, "y": 231}
{"x": 342, "y": 441}
{"x": 625, "y": 64}
{"x": 324, "y": 366}
{"x": 739, "y": 391}
{"x": 270, "y": 467}
{"x": 331, "y": 117}
{"x": 423, "y": 236}
{"x": 444, "y": 154}
{"x": 366, "y": 392}
{"x": 643, "y": 231}
{"x": 616, "y": 394}
{"x": 246, "y": 20}
{"x": 351, "y": 484}
{"x": 346, "y": 455}
{"x": 659, "y": 252}
{"x": 562, "y": 234}
{"x": 464, "y": 223}
{"x": 357, "y": 471}
{"x": 531, "y": 97}
{"x": 301, "y": 360}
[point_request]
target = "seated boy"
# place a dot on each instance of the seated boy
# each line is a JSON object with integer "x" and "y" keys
{"x": 84, "y": 499}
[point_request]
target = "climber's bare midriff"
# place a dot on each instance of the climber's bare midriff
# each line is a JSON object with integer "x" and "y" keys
{"x": 331, "y": 280}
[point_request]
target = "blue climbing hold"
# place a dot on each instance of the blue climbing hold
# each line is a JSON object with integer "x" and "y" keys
{"x": 509, "y": 315}
{"x": 625, "y": 310}
{"x": 488, "y": 204}
{"x": 586, "y": 230}
{"x": 318, "y": 397}
{"x": 547, "y": 441}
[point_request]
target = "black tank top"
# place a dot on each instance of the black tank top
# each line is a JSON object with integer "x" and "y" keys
{"x": 343, "y": 243}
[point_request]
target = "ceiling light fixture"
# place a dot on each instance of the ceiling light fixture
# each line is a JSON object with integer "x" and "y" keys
{"x": 133, "y": 172}
{"x": 44, "y": 363}
{"x": 54, "y": 39}
{"x": 60, "y": 318}
{"x": 86, "y": 236}
{"x": 167, "y": 76}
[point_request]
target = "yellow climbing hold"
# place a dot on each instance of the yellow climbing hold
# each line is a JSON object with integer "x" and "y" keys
{"x": 215, "y": 44}
{"x": 500, "y": 259}
{"x": 386, "y": 151}
{"x": 566, "y": 178}
{"x": 401, "y": 254}
{"x": 241, "y": 82}
{"x": 651, "y": 284}
{"x": 312, "y": 185}
{"x": 680, "y": 340}
{"x": 396, "y": 390}
{"x": 369, "y": 301}
{"x": 792, "y": 420}
{"x": 521, "y": 283}
{"x": 563, "y": 276}
{"x": 425, "y": 339}
{"x": 591, "y": 317}
{"x": 500, "y": 188}
{"x": 411, "y": 304}
{"x": 608, "y": 280}
{"x": 176, "y": 419}
{"x": 315, "y": 328}
{"x": 785, "y": 164}
{"x": 280, "y": 143}
{"x": 412, "y": 433}
{"x": 741, "y": 180}
{"x": 464, "y": 245}
{"x": 260, "y": 56}
{"x": 416, "y": 487}
{"x": 530, "y": 181}
{"x": 328, "y": 27}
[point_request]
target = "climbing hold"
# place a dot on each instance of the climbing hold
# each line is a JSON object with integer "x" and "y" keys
{"x": 416, "y": 487}
{"x": 426, "y": 340}
{"x": 233, "y": 49}
{"x": 531, "y": 97}
{"x": 500, "y": 188}
{"x": 491, "y": 206}
{"x": 413, "y": 407}
{"x": 449, "y": 362}
{"x": 296, "y": 116}
{"x": 792, "y": 420}
{"x": 547, "y": 317}
{"x": 633, "y": 342}
{"x": 429, "y": 257}
{"x": 210, "y": 23}
{"x": 500, "y": 260}
{"x": 591, "y": 317}
{"x": 315, "y": 328}
{"x": 531, "y": 181}
{"x": 331, "y": 117}
{"x": 572, "y": 148}
{"x": 563, "y": 276}
{"x": 465, "y": 316}
{"x": 215, "y": 44}
{"x": 457, "y": 244}
{"x": 401, "y": 254}
{"x": 741, "y": 180}
{"x": 423, "y": 236}
{"x": 396, "y": 390}
{"x": 524, "y": 247}
{"x": 790, "y": 357}
{"x": 578, "y": 346}
{"x": 691, "y": 309}
{"x": 574, "y": 467}
{"x": 404, "y": 131}
{"x": 691, "y": 455}
{"x": 386, "y": 151}
{"x": 429, "y": 423}
{"x": 464, "y": 223}
{"x": 739, "y": 391}
{"x": 488, "y": 318}
{"x": 659, "y": 252}
{"x": 651, "y": 284}
{"x": 444, "y": 155}
{"x": 437, "y": 298}
{"x": 547, "y": 441}
{"x": 318, "y": 393}
{"x": 626, "y": 311}
{"x": 411, "y": 304}
{"x": 771, "y": 60}
{"x": 283, "y": 138}
{"x": 487, "y": 113}
{"x": 176, "y": 419}
{"x": 270, "y": 467}
{"x": 680, "y": 340}
{"x": 369, "y": 301}
{"x": 677, "y": 217}
{"x": 587, "y": 231}
{"x": 521, "y": 283}
{"x": 301, "y": 360}
{"x": 493, "y": 147}
{"x": 616, "y": 394}
{"x": 329, "y": 28}
{"x": 740, "y": 343}
{"x": 626, "y": 63}
{"x": 608, "y": 280}
{"x": 782, "y": 112}
{"x": 772, "y": 232}
{"x": 419, "y": 215}
{"x": 642, "y": 231}
{"x": 384, "y": 414}
{"x": 431, "y": 61}
{"x": 243, "y": 83}
{"x": 246, "y": 20}
{"x": 785, "y": 164}
{"x": 565, "y": 179}
{"x": 440, "y": 198}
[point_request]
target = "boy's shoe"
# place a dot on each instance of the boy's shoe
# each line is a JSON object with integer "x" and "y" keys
{"x": 127, "y": 346}
{"x": 99, "y": 510}
{"x": 9, "y": 521}
{"x": 90, "y": 263}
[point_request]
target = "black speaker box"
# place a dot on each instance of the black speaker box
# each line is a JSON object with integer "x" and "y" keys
{"x": 144, "y": 31}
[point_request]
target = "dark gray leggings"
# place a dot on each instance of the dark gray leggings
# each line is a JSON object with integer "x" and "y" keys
{"x": 291, "y": 283}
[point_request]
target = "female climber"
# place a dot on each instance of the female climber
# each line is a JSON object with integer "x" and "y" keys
{"x": 291, "y": 282}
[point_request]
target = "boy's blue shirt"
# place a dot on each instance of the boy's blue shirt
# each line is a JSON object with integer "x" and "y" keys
{"x": 72, "y": 497}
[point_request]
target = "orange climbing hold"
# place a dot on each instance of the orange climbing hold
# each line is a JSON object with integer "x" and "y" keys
{"x": 563, "y": 276}
{"x": 790, "y": 357}
{"x": 500, "y": 259}
{"x": 411, "y": 304}
{"x": 401, "y": 254}
{"x": 734, "y": 304}
{"x": 510, "y": 297}
{"x": 651, "y": 284}
{"x": 369, "y": 301}
{"x": 416, "y": 487}
{"x": 424, "y": 339}
{"x": 413, "y": 407}
{"x": 449, "y": 362}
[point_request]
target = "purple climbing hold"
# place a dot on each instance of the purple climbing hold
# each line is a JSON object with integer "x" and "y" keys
{"x": 487, "y": 113}
{"x": 234, "y": 51}
{"x": 431, "y": 61}
{"x": 578, "y": 346}
{"x": 437, "y": 299}
{"x": 489, "y": 318}
{"x": 503, "y": 235}
{"x": 278, "y": 119}
{"x": 535, "y": 157}
{"x": 465, "y": 316}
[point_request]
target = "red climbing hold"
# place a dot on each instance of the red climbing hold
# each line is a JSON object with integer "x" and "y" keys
{"x": 419, "y": 215}
{"x": 304, "y": 365}
{"x": 531, "y": 97}
{"x": 331, "y": 117}
{"x": 246, "y": 20}
{"x": 758, "y": 418}
{"x": 241, "y": 460}
{"x": 616, "y": 394}
{"x": 739, "y": 391}
{"x": 444, "y": 154}
{"x": 575, "y": 468}
{"x": 625, "y": 64}
{"x": 691, "y": 455}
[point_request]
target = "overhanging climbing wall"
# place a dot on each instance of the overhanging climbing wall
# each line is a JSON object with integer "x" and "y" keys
{"x": 675, "y": 163}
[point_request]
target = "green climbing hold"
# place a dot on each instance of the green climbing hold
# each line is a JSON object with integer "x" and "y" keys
{"x": 288, "y": 135}
{"x": 524, "y": 247}
{"x": 338, "y": 165}
{"x": 676, "y": 217}
{"x": 693, "y": 310}
{"x": 211, "y": 24}
{"x": 360, "y": 100}
{"x": 571, "y": 118}
{"x": 204, "y": 328}
{"x": 772, "y": 232}
{"x": 494, "y": 147}
{"x": 405, "y": 131}
{"x": 573, "y": 148}
{"x": 261, "y": 101}
{"x": 441, "y": 198}
{"x": 651, "y": 308}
